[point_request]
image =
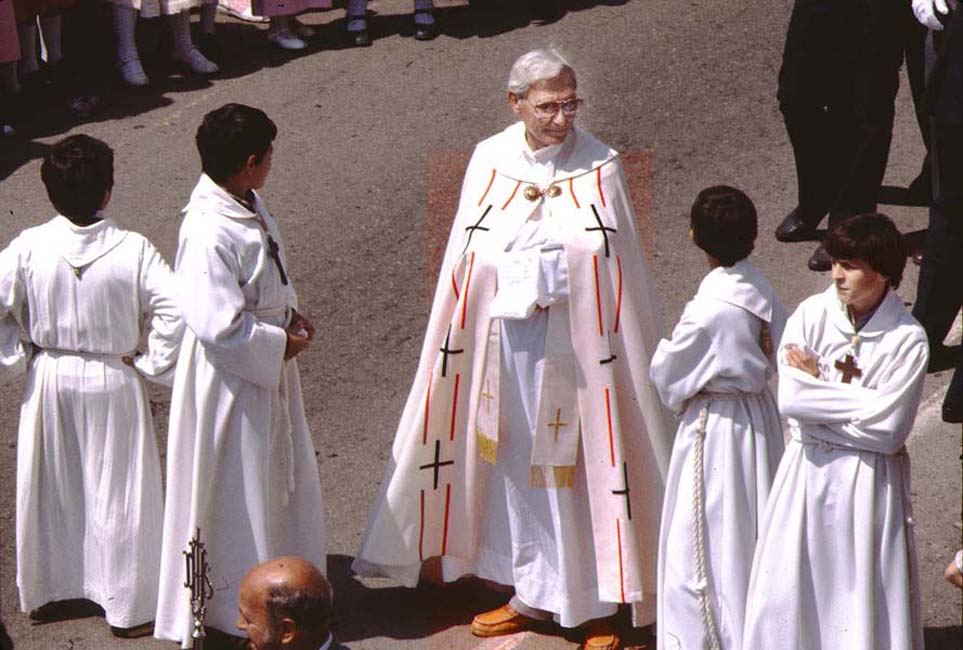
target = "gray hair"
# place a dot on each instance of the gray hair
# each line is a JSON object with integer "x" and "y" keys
{"x": 536, "y": 65}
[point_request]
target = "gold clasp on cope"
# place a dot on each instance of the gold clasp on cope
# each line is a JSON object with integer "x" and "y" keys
{"x": 533, "y": 193}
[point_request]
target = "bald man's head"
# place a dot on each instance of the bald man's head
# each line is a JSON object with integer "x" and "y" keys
{"x": 285, "y": 603}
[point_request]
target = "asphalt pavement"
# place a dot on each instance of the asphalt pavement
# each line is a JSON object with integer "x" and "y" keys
{"x": 689, "y": 86}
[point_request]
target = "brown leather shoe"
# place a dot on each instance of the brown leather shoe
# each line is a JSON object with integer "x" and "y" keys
{"x": 601, "y": 635}
{"x": 501, "y": 621}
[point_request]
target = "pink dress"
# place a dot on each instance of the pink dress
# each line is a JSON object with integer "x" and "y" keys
{"x": 9, "y": 44}
{"x": 274, "y": 7}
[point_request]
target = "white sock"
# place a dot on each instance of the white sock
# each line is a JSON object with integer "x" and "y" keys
{"x": 424, "y": 5}
{"x": 50, "y": 32}
{"x": 125, "y": 22}
{"x": 27, "y": 33}
{"x": 181, "y": 31}
{"x": 357, "y": 8}
{"x": 208, "y": 12}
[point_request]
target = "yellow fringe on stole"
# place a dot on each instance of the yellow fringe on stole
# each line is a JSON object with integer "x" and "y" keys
{"x": 487, "y": 448}
{"x": 551, "y": 476}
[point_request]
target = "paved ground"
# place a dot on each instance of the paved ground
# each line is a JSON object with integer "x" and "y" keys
{"x": 692, "y": 81}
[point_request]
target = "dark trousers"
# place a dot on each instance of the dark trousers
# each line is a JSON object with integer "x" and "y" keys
{"x": 837, "y": 85}
{"x": 940, "y": 290}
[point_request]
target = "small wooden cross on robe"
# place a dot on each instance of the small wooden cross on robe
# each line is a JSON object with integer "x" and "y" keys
{"x": 274, "y": 251}
{"x": 849, "y": 368}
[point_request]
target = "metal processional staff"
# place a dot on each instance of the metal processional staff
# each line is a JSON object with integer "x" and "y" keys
{"x": 199, "y": 582}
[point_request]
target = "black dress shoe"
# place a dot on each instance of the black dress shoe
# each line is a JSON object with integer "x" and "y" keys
{"x": 360, "y": 38}
{"x": 135, "y": 632}
{"x": 425, "y": 31}
{"x": 796, "y": 228}
{"x": 820, "y": 260}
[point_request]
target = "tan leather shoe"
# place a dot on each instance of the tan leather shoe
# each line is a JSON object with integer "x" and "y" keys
{"x": 601, "y": 635}
{"x": 501, "y": 621}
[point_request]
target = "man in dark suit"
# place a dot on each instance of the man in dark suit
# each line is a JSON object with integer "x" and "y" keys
{"x": 286, "y": 604}
{"x": 939, "y": 294}
{"x": 839, "y": 76}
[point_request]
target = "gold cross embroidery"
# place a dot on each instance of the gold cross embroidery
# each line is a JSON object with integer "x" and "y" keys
{"x": 557, "y": 424}
{"x": 487, "y": 396}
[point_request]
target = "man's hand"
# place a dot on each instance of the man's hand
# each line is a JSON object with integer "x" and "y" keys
{"x": 798, "y": 358}
{"x": 928, "y": 13}
{"x": 300, "y": 331}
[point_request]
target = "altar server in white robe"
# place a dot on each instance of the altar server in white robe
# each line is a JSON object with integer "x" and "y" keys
{"x": 835, "y": 565}
{"x": 713, "y": 372}
{"x": 76, "y": 294}
{"x": 532, "y": 449}
{"x": 241, "y": 465}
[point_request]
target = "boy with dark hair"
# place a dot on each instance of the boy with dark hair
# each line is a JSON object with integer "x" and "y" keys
{"x": 713, "y": 372}
{"x": 75, "y": 295}
{"x": 237, "y": 416}
{"x": 836, "y": 563}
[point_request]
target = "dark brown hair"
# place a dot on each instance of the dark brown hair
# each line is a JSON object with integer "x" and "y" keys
{"x": 78, "y": 171}
{"x": 872, "y": 238}
{"x": 231, "y": 134}
{"x": 723, "y": 222}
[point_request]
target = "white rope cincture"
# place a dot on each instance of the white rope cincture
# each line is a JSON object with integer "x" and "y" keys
{"x": 698, "y": 529}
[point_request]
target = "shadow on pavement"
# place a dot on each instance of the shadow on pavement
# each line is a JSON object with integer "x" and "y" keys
{"x": 400, "y": 613}
{"x": 40, "y": 110}
{"x": 943, "y": 638}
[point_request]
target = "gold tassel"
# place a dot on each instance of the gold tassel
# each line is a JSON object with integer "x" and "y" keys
{"x": 552, "y": 476}
{"x": 487, "y": 448}
{"x": 765, "y": 339}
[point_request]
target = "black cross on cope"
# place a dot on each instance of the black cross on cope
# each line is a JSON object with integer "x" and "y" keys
{"x": 446, "y": 351}
{"x": 471, "y": 229}
{"x": 602, "y": 228}
{"x": 849, "y": 368}
{"x": 437, "y": 464}
{"x": 625, "y": 492}
{"x": 611, "y": 356}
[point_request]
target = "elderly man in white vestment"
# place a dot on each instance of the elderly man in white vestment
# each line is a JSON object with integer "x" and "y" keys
{"x": 835, "y": 565}
{"x": 532, "y": 449}
{"x": 76, "y": 296}
{"x": 714, "y": 373}
{"x": 241, "y": 466}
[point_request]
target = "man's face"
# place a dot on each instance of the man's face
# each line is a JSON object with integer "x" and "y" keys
{"x": 253, "y": 619}
{"x": 858, "y": 285}
{"x": 541, "y": 128}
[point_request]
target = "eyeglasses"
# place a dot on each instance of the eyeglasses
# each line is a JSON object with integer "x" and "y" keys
{"x": 550, "y": 109}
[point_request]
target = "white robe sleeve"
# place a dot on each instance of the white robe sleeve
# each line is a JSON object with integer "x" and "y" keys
{"x": 682, "y": 365}
{"x": 877, "y": 419}
{"x": 163, "y": 318}
{"x": 213, "y": 306}
{"x": 14, "y": 353}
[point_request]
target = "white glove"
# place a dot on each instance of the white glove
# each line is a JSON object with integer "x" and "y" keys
{"x": 926, "y": 13}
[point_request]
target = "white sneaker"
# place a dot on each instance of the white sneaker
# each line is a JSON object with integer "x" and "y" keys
{"x": 196, "y": 61}
{"x": 286, "y": 40}
{"x": 133, "y": 73}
